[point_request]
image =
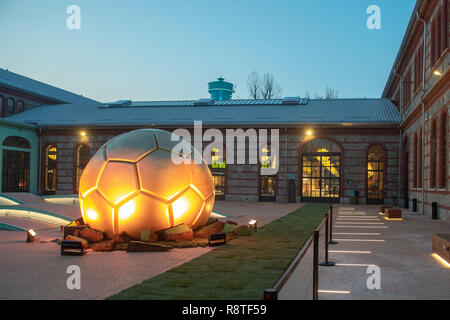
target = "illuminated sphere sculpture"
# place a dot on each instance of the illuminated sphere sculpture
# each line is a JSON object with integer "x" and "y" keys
{"x": 131, "y": 184}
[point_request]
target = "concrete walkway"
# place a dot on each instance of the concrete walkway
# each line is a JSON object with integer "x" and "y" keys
{"x": 401, "y": 249}
{"x": 38, "y": 271}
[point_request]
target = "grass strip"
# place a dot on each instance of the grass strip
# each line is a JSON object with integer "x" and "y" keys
{"x": 242, "y": 269}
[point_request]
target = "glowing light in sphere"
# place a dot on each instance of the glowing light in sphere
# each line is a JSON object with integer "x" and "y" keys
{"x": 131, "y": 184}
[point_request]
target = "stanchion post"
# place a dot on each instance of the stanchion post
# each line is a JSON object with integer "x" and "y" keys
{"x": 316, "y": 265}
{"x": 331, "y": 227}
{"x": 326, "y": 263}
{"x": 271, "y": 294}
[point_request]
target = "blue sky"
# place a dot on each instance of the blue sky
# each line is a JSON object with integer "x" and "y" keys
{"x": 171, "y": 49}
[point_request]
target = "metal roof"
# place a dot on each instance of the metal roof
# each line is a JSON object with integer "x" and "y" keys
{"x": 233, "y": 112}
{"x": 16, "y": 81}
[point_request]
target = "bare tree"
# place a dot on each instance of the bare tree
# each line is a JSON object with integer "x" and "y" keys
{"x": 270, "y": 87}
{"x": 330, "y": 93}
{"x": 254, "y": 85}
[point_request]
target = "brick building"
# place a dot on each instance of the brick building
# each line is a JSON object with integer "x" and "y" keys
{"x": 388, "y": 150}
{"x": 419, "y": 84}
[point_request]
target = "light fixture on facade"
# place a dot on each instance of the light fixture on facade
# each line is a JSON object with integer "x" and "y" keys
{"x": 309, "y": 133}
{"x": 437, "y": 73}
{"x": 83, "y": 133}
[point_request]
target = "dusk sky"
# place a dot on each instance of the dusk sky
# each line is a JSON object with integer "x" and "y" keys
{"x": 171, "y": 49}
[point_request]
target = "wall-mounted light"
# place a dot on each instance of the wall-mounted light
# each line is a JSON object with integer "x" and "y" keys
{"x": 31, "y": 234}
{"x": 309, "y": 133}
{"x": 437, "y": 73}
{"x": 83, "y": 133}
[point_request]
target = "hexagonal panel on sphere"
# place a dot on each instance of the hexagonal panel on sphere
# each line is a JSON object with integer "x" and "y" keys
{"x": 97, "y": 213}
{"x": 131, "y": 146}
{"x": 143, "y": 213}
{"x": 118, "y": 181}
{"x": 88, "y": 179}
{"x": 203, "y": 217}
{"x": 203, "y": 179}
{"x": 160, "y": 176}
{"x": 186, "y": 208}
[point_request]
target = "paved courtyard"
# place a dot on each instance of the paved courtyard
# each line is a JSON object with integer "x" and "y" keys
{"x": 38, "y": 271}
{"x": 401, "y": 249}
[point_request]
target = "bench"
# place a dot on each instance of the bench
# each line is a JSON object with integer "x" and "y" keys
{"x": 394, "y": 213}
{"x": 72, "y": 248}
{"x": 441, "y": 245}
{"x": 217, "y": 239}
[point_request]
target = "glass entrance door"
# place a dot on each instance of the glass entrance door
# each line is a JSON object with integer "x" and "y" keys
{"x": 16, "y": 171}
{"x": 321, "y": 177}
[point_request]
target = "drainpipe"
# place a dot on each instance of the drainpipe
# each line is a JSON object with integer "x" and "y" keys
{"x": 399, "y": 189}
{"x": 423, "y": 106}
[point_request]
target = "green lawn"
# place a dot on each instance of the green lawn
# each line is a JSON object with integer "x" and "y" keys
{"x": 241, "y": 269}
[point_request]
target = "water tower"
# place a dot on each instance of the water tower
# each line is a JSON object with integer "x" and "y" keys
{"x": 220, "y": 89}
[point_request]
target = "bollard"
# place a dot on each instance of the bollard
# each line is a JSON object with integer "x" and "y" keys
{"x": 271, "y": 294}
{"x": 331, "y": 227}
{"x": 326, "y": 263}
{"x": 316, "y": 265}
{"x": 434, "y": 210}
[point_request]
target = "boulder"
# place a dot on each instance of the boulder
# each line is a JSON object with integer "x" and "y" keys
{"x": 104, "y": 246}
{"x": 206, "y": 231}
{"x": 140, "y": 246}
{"x": 74, "y": 238}
{"x": 90, "y": 235}
{"x": 242, "y": 231}
{"x": 178, "y": 233}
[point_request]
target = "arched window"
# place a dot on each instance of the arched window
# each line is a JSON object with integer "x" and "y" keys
{"x": 51, "y": 166}
{"x": 268, "y": 181}
{"x": 415, "y": 152}
{"x": 218, "y": 171}
{"x": 10, "y": 107}
{"x": 443, "y": 152}
{"x": 1, "y": 107}
{"x": 82, "y": 158}
{"x": 375, "y": 174}
{"x": 433, "y": 154}
{"x": 405, "y": 180}
{"x": 17, "y": 142}
{"x": 321, "y": 163}
{"x": 20, "y": 107}
{"x": 420, "y": 151}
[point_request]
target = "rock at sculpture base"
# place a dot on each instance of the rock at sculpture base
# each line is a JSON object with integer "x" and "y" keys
{"x": 139, "y": 246}
{"x": 206, "y": 231}
{"x": 178, "y": 233}
{"x": 90, "y": 235}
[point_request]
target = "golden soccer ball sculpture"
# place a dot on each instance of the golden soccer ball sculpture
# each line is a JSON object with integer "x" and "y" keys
{"x": 131, "y": 184}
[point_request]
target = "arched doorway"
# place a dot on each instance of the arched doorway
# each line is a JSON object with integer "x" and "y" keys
{"x": 375, "y": 175}
{"x": 321, "y": 171}
{"x": 405, "y": 174}
{"x": 16, "y": 165}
